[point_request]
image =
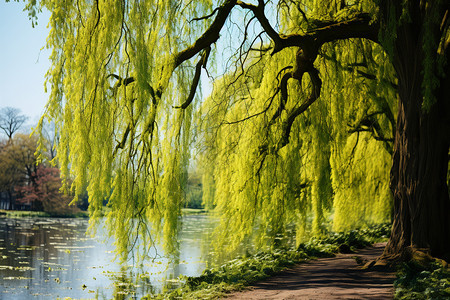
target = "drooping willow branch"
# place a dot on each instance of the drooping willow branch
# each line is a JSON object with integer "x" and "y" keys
{"x": 198, "y": 68}
{"x": 360, "y": 26}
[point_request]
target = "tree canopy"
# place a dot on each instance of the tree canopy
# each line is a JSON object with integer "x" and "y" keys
{"x": 301, "y": 121}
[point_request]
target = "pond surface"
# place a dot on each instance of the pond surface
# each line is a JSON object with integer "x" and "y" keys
{"x": 49, "y": 258}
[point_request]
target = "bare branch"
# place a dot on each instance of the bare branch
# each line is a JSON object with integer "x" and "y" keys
{"x": 210, "y": 36}
{"x": 205, "y": 17}
{"x": 11, "y": 120}
{"x": 360, "y": 26}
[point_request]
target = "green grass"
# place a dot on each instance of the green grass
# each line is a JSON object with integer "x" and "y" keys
{"x": 22, "y": 213}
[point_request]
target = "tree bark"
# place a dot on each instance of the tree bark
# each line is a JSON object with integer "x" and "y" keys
{"x": 420, "y": 160}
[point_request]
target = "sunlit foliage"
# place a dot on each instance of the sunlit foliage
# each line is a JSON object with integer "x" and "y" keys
{"x": 119, "y": 138}
{"x": 126, "y": 115}
{"x": 333, "y": 174}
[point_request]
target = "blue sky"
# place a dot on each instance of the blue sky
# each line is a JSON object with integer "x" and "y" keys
{"x": 22, "y": 62}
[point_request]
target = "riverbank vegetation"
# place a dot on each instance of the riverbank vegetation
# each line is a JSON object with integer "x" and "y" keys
{"x": 430, "y": 280}
{"x": 238, "y": 273}
{"x": 40, "y": 214}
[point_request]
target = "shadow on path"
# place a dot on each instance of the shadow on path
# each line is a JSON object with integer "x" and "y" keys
{"x": 339, "y": 277}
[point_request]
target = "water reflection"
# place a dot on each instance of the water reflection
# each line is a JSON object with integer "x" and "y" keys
{"x": 52, "y": 258}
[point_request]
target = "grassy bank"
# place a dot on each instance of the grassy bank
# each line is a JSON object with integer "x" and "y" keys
{"x": 414, "y": 281}
{"x": 193, "y": 211}
{"x": 238, "y": 273}
{"x": 39, "y": 214}
{"x": 80, "y": 214}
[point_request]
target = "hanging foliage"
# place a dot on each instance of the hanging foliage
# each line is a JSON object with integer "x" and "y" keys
{"x": 297, "y": 131}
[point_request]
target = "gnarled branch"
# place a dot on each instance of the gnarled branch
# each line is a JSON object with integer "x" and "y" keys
{"x": 315, "y": 93}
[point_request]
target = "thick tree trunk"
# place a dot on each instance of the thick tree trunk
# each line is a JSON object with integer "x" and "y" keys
{"x": 420, "y": 161}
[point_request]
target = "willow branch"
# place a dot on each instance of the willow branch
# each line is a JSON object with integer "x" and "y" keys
{"x": 360, "y": 26}
{"x": 205, "y": 17}
{"x": 121, "y": 81}
{"x": 210, "y": 36}
{"x": 121, "y": 144}
{"x": 315, "y": 93}
{"x": 258, "y": 11}
{"x": 198, "y": 69}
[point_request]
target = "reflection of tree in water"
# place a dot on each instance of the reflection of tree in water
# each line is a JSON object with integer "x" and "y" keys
{"x": 53, "y": 257}
{"x": 215, "y": 257}
{"x": 34, "y": 252}
{"x": 128, "y": 284}
{"x": 24, "y": 240}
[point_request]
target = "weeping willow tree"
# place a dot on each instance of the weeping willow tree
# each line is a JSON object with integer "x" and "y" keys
{"x": 124, "y": 85}
{"x": 336, "y": 164}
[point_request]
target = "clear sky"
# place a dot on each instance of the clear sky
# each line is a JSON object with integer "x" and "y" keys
{"x": 22, "y": 62}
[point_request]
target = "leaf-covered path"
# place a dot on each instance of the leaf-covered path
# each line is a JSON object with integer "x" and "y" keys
{"x": 339, "y": 277}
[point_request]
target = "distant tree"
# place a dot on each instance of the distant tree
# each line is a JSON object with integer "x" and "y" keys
{"x": 20, "y": 154}
{"x": 44, "y": 192}
{"x": 17, "y": 165}
{"x": 11, "y": 120}
{"x": 9, "y": 177}
{"x": 25, "y": 182}
{"x": 193, "y": 191}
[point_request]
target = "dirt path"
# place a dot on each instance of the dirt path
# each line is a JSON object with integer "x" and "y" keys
{"x": 339, "y": 277}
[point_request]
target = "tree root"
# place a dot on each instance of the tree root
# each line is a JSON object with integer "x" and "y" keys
{"x": 419, "y": 256}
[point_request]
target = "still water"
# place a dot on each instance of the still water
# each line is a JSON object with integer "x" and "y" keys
{"x": 49, "y": 258}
